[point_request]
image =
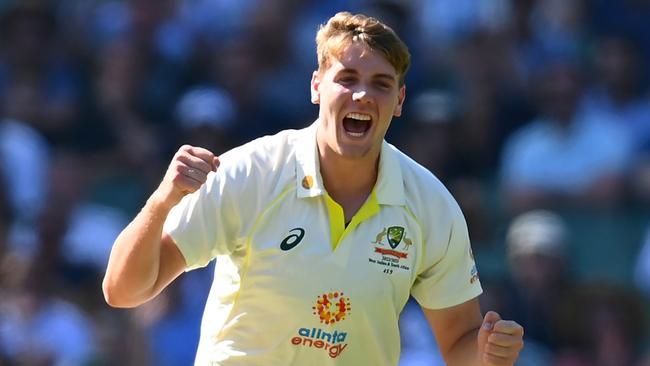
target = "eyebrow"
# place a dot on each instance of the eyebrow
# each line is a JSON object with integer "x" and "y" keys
{"x": 375, "y": 76}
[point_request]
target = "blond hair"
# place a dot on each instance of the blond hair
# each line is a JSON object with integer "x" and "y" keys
{"x": 345, "y": 28}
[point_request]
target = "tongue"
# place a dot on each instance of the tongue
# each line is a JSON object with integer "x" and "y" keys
{"x": 355, "y": 125}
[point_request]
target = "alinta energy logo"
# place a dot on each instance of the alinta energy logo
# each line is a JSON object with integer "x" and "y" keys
{"x": 331, "y": 308}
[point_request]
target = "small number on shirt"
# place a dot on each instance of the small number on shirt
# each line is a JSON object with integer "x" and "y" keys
{"x": 388, "y": 271}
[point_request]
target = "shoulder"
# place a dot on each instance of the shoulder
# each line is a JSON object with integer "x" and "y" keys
{"x": 261, "y": 156}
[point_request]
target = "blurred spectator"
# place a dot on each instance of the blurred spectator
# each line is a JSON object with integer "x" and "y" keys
{"x": 487, "y": 93}
{"x": 626, "y": 17}
{"x": 38, "y": 327}
{"x": 24, "y": 167}
{"x": 123, "y": 145}
{"x": 395, "y": 13}
{"x": 547, "y": 30}
{"x": 538, "y": 264}
{"x": 619, "y": 91}
{"x": 278, "y": 74}
{"x": 157, "y": 40}
{"x": 434, "y": 117}
{"x": 559, "y": 27}
{"x": 431, "y": 116}
{"x": 232, "y": 65}
{"x": 419, "y": 346}
{"x": 232, "y": 16}
{"x": 642, "y": 270}
{"x": 444, "y": 22}
{"x": 646, "y": 360}
{"x": 38, "y": 85}
{"x": 120, "y": 339}
{"x": 601, "y": 325}
{"x": 170, "y": 323}
{"x": 565, "y": 156}
{"x": 206, "y": 117}
{"x": 91, "y": 231}
{"x": 640, "y": 179}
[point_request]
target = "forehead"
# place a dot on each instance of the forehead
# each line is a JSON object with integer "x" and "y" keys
{"x": 361, "y": 59}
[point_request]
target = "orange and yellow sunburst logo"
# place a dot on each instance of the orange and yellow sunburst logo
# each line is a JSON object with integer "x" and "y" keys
{"x": 332, "y": 307}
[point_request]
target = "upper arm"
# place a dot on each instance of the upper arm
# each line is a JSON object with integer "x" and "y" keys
{"x": 172, "y": 264}
{"x": 450, "y": 324}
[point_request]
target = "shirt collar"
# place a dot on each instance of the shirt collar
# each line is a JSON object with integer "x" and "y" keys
{"x": 390, "y": 182}
{"x": 309, "y": 182}
{"x": 389, "y": 188}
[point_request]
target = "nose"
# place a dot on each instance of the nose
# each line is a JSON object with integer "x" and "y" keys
{"x": 360, "y": 95}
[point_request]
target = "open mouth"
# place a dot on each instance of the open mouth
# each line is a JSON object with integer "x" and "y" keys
{"x": 357, "y": 124}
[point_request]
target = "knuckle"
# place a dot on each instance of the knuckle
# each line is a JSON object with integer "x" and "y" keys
{"x": 180, "y": 157}
{"x": 177, "y": 169}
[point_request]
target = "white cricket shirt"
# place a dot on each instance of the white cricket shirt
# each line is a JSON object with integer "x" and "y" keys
{"x": 292, "y": 284}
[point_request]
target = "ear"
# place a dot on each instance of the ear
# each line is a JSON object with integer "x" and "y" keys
{"x": 315, "y": 84}
{"x": 400, "y": 101}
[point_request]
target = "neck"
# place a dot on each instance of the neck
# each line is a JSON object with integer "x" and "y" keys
{"x": 351, "y": 176}
{"x": 348, "y": 181}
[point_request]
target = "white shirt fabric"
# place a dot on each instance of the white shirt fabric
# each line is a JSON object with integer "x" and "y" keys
{"x": 292, "y": 285}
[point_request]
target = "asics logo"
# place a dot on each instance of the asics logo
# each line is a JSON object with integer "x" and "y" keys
{"x": 293, "y": 239}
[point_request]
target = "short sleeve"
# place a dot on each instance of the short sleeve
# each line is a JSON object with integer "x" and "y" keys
{"x": 205, "y": 223}
{"x": 451, "y": 278}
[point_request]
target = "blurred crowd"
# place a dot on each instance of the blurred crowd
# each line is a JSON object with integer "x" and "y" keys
{"x": 534, "y": 113}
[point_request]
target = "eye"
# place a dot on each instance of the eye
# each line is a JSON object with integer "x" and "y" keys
{"x": 383, "y": 84}
{"x": 346, "y": 80}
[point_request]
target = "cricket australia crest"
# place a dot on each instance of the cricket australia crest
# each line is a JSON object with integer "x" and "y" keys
{"x": 391, "y": 258}
{"x": 395, "y": 235}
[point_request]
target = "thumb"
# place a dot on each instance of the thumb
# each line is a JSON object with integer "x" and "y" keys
{"x": 215, "y": 163}
{"x": 490, "y": 318}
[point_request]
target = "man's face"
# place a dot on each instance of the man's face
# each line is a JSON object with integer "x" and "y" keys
{"x": 358, "y": 96}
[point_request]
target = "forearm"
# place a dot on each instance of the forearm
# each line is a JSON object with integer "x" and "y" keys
{"x": 134, "y": 263}
{"x": 465, "y": 351}
{"x": 142, "y": 261}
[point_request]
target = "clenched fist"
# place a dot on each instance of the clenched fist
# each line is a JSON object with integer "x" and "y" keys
{"x": 186, "y": 173}
{"x": 499, "y": 341}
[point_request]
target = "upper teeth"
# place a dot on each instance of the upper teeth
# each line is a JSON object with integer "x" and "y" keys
{"x": 359, "y": 116}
